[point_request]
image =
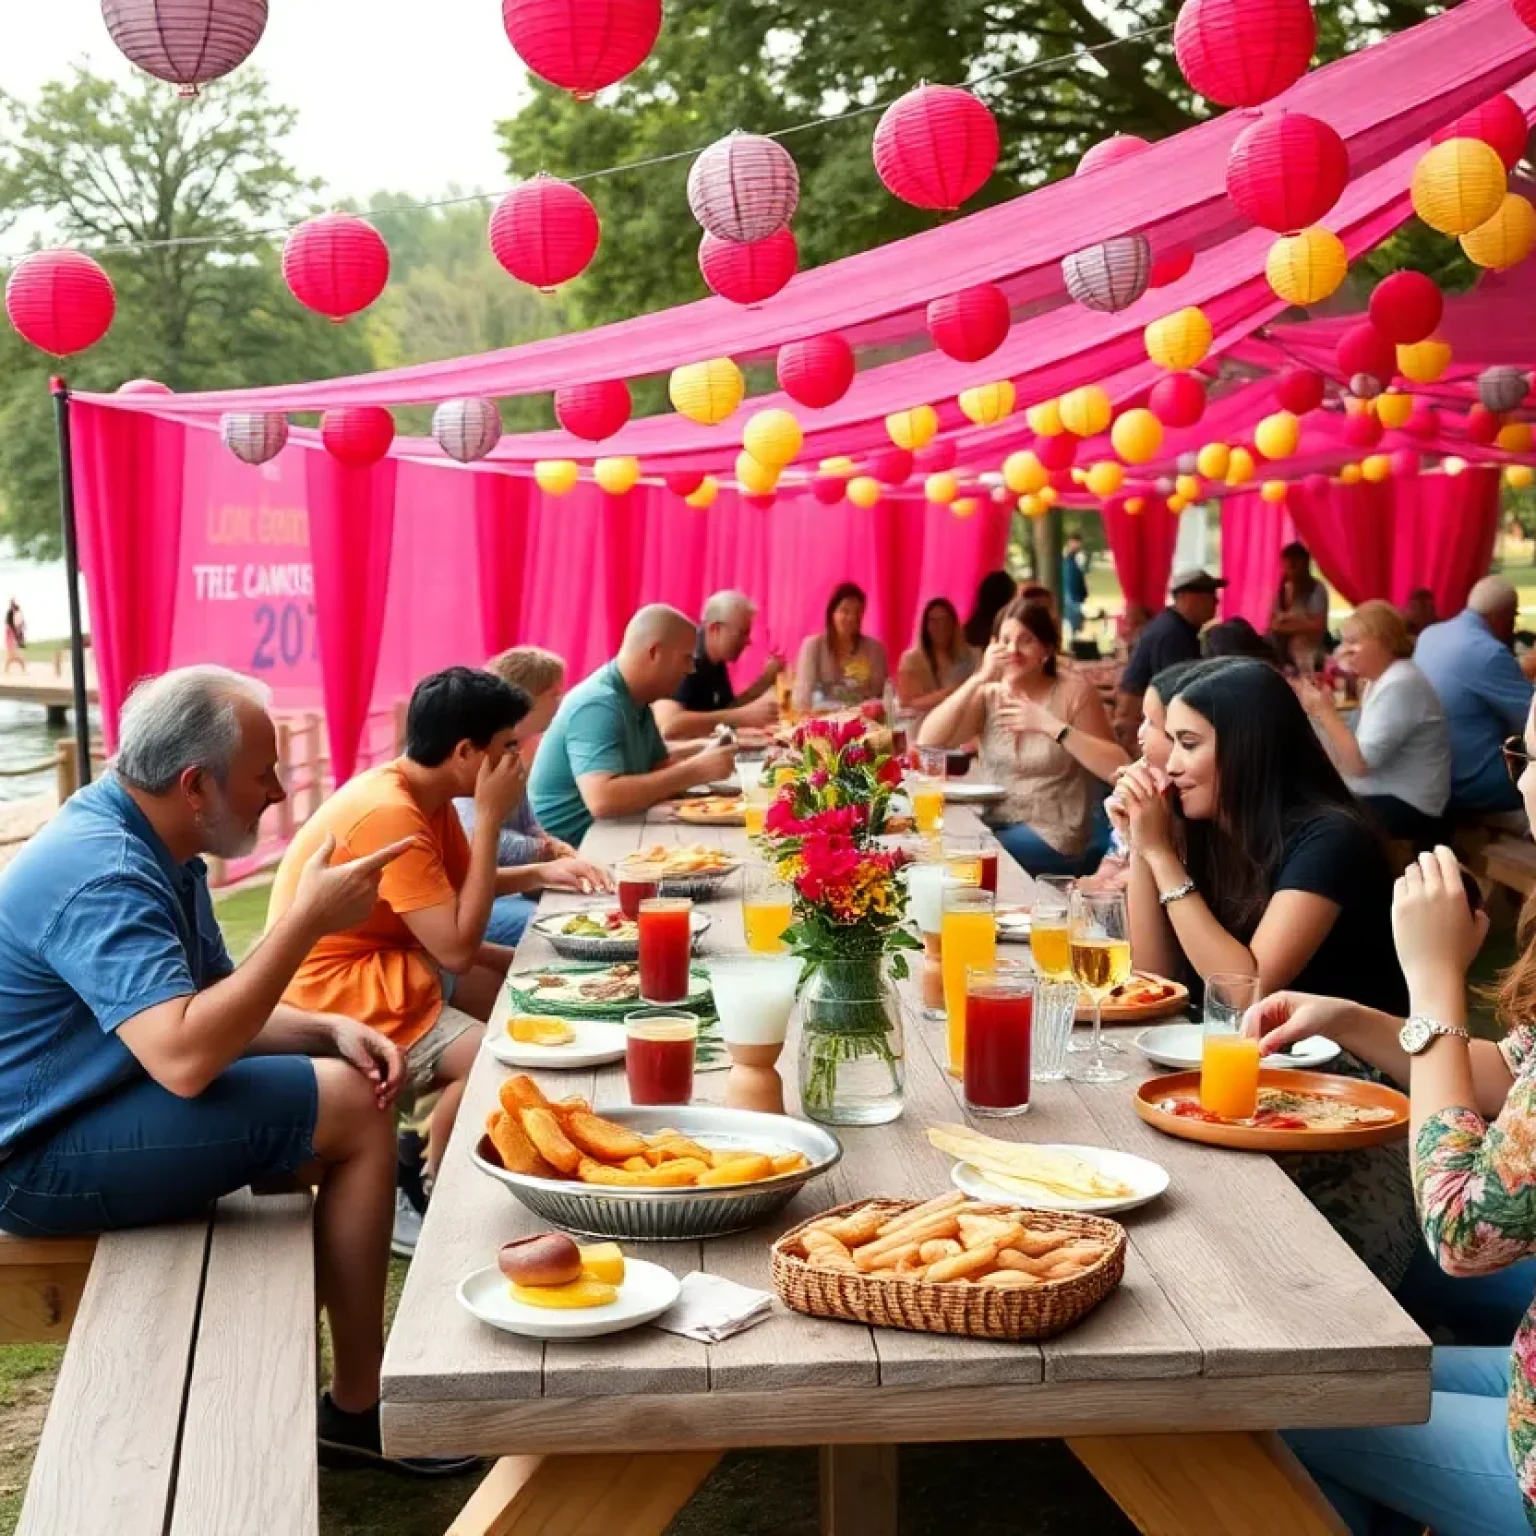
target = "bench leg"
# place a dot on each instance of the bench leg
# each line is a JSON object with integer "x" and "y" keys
{"x": 38, "y": 1301}
{"x": 583, "y": 1495}
{"x": 858, "y": 1490}
{"x": 1191, "y": 1485}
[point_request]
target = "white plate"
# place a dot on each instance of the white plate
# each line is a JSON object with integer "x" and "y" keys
{"x": 963, "y": 792}
{"x": 1147, "y": 1180}
{"x": 1013, "y": 927}
{"x": 1179, "y": 1046}
{"x": 597, "y": 1043}
{"x": 648, "y": 1290}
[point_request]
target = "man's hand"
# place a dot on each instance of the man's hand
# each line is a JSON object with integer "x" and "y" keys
{"x": 761, "y": 711}
{"x": 376, "y": 1056}
{"x": 713, "y": 763}
{"x": 554, "y": 848}
{"x": 500, "y": 786}
{"x": 773, "y": 666}
{"x": 574, "y": 874}
{"x": 333, "y": 897}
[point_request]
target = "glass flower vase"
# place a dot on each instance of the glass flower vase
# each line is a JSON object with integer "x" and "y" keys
{"x": 852, "y": 1070}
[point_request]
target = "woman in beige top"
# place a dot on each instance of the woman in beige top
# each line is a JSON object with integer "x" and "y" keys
{"x": 1044, "y": 737}
{"x": 939, "y": 662}
{"x": 842, "y": 665}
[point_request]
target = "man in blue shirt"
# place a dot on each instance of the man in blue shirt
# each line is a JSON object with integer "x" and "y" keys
{"x": 1074, "y": 583}
{"x": 141, "y": 1074}
{"x": 1486, "y": 696}
{"x": 603, "y": 755}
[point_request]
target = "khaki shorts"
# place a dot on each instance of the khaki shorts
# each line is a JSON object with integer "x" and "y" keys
{"x": 423, "y": 1058}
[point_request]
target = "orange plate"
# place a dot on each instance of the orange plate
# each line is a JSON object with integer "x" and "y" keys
{"x": 1143, "y": 1013}
{"x": 1251, "y": 1139}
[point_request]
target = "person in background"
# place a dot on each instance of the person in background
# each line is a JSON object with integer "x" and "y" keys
{"x": 1044, "y": 736}
{"x": 1041, "y": 597}
{"x": 1486, "y": 696}
{"x": 1074, "y": 583}
{"x": 603, "y": 755}
{"x": 705, "y": 698}
{"x": 1235, "y": 637}
{"x": 1397, "y": 759}
{"x": 941, "y": 660}
{"x": 1298, "y": 625}
{"x": 1128, "y": 627}
{"x": 842, "y": 665}
{"x": 996, "y": 590}
{"x": 1173, "y": 636}
{"x": 15, "y": 636}
{"x": 1419, "y": 611}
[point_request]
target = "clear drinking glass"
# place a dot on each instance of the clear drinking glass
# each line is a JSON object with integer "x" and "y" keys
{"x": 969, "y": 941}
{"x": 1055, "y": 1014}
{"x": 767, "y": 908}
{"x": 1101, "y": 961}
{"x": 1229, "y": 1060}
{"x": 999, "y": 1015}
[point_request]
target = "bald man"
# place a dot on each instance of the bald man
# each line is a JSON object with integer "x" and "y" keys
{"x": 1486, "y": 696}
{"x": 706, "y": 698}
{"x": 603, "y": 756}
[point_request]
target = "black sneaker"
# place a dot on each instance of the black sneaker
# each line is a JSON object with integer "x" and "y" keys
{"x": 411, "y": 1194}
{"x": 351, "y": 1440}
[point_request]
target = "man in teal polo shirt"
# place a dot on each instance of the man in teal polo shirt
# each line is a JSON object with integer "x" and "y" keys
{"x": 603, "y": 755}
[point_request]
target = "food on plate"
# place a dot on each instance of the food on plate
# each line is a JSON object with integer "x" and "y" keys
{"x": 603, "y": 1261}
{"x": 550, "y": 1258}
{"x": 602, "y": 1139}
{"x": 1143, "y": 992}
{"x": 1287, "y": 1109}
{"x": 529, "y": 1029}
{"x": 722, "y": 810}
{"x": 554, "y": 1146}
{"x": 602, "y": 925}
{"x": 1038, "y": 1172}
{"x": 515, "y": 1148}
{"x": 579, "y": 1293}
{"x": 552, "y": 1270}
{"x": 695, "y": 859}
{"x": 521, "y": 1092}
{"x": 612, "y": 984}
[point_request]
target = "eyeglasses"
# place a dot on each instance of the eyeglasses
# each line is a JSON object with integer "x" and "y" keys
{"x": 1516, "y": 758}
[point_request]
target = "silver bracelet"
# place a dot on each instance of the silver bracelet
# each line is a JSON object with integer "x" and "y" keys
{"x": 1178, "y": 893}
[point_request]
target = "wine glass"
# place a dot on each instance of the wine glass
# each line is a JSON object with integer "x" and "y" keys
{"x": 1101, "y": 961}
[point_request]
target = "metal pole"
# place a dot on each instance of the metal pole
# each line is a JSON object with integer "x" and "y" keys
{"x": 72, "y": 577}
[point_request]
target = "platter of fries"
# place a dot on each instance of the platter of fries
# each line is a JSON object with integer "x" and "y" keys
{"x": 671, "y": 1173}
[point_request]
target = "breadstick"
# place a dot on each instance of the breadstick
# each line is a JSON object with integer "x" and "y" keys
{"x": 861, "y": 1227}
{"x": 938, "y": 1225}
{"x": 889, "y": 1259}
{"x": 825, "y": 1258}
{"x": 937, "y": 1248}
{"x": 1021, "y": 1263}
{"x": 1009, "y": 1280}
{"x": 922, "y": 1212}
{"x": 1001, "y": 1234}
{"x": 1037, "y": 1242}
{"x": 972, "y": 1262}
{"x": 824, "y": 1242}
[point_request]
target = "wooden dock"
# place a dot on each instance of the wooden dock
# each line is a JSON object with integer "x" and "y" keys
{"x": 48, "y": 684}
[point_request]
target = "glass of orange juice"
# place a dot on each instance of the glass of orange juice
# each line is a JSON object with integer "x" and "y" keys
{"x": 754, "y": 809}
{"x": 969, "y": 941}
{"x": 1229, "y": 1060}
{"x": 767, "y": 909}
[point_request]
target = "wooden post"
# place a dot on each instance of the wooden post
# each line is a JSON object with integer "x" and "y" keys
{"x": 284, "y": 765}
{"x": 401, "y": 708}
{"x": 66, "y": 769}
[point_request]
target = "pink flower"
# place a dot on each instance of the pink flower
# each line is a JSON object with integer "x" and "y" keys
{"x": 856, "y": 755}
{"x": 889, "y": 773}
{"x": 819, "y": 779}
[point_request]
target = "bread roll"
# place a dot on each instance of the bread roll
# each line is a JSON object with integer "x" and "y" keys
{"x": 551, "y": 1258}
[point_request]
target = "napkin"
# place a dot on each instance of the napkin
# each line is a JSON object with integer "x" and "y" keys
{"x": 711, "y": 1309}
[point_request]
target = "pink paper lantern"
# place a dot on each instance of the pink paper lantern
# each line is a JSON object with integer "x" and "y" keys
{"x": 1405, "y": 464}
{"x": 761, "y": 503}
{"x": 1424, "y": 422}
{"x": 1526, "y": 11}
{"x": 1171, "y": 266}
{"x": 938, "y": 456}
{"x": 1056, "y": 453}
{"x": 1285, "y": 172}
{"x": 593, "y": 411}
{"x": 1299, "y": 390}
{"x": 60, "y": 301}
{"x": 684, "y": 482}
{"x": 357, "y": 435}
{"x": 829, "y": 489}
{"x": 744, "y": 187}
{"x": 1498, "y": 122}
{"x": 545, "y": 232}
{"x": 1110, "y": 151}
{"x": 816, "y": 371}
{"x": 336, "y": 264}
{"x": 971, "y": 324}
{"x": 582, "y": 45}
{"x": 254, "y": 437}
{"x": 936, "y": 146}
{"x": 1362, "y": 430}
{"x": 1363, "y": 349}
{"x": 1318, "y": 486}
{"x": 187, "y": 42}
{"x": 1406, "y": 307}
{"x": 892, "y": 466}
{"x": 749, "y": 273}
{"x": 1242, "y": 53}
{"x": 1177, "y": 400}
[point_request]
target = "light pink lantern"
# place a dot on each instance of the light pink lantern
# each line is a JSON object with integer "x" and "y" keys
{"x": 1110, "y": 276}
{"x": 187, "y": 42}
{"x": 467, "y": 429}
{"x": 744, "y": 187}
{"x": 254, "y": 437}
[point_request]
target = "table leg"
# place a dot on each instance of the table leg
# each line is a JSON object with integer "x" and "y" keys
{"x": 1189, "y": 1485}
{"x": 583, "y": 1495}
{"x": 858, "y": 1490}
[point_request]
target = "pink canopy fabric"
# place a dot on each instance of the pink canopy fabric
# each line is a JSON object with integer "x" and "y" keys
{"x": 1141, "y": 545}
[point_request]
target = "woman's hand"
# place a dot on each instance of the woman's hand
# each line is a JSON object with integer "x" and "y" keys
{"x": 1437, "y": 933}
{"x": 1286, "y": 1017}
{"x": 1148, "y": 818}
{"x": 1316, "y": 698}
{"x": 993, "y": 661}
{"x": 1023, "y": 715}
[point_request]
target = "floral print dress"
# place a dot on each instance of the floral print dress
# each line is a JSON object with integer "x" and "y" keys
{"x": 1476, "y": 1190}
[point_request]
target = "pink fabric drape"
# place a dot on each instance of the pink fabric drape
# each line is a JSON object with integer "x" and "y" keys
{"x": 501, "y": 543}
{"x": 1253, "y": 532}
{"x": 1141, "y": 545}
{"x": 1350, "y": 530}
{"x": 128, "y": 508}
{"x": 1444, "y": 537}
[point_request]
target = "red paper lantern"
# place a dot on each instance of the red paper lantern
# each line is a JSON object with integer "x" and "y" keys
{"x": 1169, "y": 268}
{"x": 892, "y": 466}
{"x": 1177, "y": 400}
{"x": 582, "y": 45}
{"x": 60, "y": 301}
{"x": 1363, "y": 349}
{"x": 545, "y": 232}
{"x": 938, "y": 456}
{"x": 936, "y": 146}
{"x": 1110, "y": 151}
{"x": 816, "y": 371}
{"x": 1056, "y": 453}
{"x": 684, "y": 482}
{"x": 1526, "y": 11}
{"x": 1405, "y": 464}
{"x": 829, "y": 489}
{"x": 1424, "y": 422}
{"x": 1362, "y": 430}
{"x": 1285, "y": 172}
{"x": 1242, "y": 53}
{"x": 1482, "y": 426}
{"x": 1299, "y": 390}
{"x": 188, "y": 42}
{"x": 1498, "y": 122}
{"x": 1406, "y": 307}
{"x": 761, "y": 503}
{"x": 593, "y": 411}
{"x": 358, "y": 435}
{"x": 1318, "y": 486}
{"x": 752, "y": 272}
{"x": 336, "y": 264}
{"x": 971, "y": 324}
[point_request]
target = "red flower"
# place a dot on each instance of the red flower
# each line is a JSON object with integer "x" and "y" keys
{"x": 856, "y": 755}
{"x": 819, "y": 779}
{"x": 849, "y": 730}
{"x": 889, "y": 773}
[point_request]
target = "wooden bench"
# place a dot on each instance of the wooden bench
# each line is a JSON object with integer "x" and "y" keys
{"x": 186, "y": 1401}
{"x": 1509, "y": 862}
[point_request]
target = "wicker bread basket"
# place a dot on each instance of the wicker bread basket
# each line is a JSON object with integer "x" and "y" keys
{"x": 976, "y": 1311}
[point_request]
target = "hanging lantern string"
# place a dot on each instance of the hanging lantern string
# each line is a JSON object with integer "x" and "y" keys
{"x": 273, "y": 231}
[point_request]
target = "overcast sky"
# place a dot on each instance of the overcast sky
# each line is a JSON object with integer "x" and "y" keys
{"x": 396, "y": 94}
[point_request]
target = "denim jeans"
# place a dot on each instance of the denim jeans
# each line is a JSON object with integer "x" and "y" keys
{"x": 509, "y": 918}
{"x": 1478, "y": 1310}
{"x": 1451, "y": 1474}
{"x": 1029, "y": 850}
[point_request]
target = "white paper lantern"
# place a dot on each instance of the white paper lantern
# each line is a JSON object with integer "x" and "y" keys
{"x": 254, "y": 436}
{"x": 1111, "y": 276}
{"x": 1503, "y": 389}
{"x": 467, "y": 429}
{"x": 1189, "y": 463}
{"x": 1365, "y": 386}
{"x": 744, "y": 187}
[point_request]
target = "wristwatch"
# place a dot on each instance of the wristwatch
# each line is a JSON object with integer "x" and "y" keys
{"x": 1415, "y": 1036}
{"x": 1063, "y": 733}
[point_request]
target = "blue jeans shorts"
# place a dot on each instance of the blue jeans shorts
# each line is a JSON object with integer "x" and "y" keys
{"x": 142, "y": 1155}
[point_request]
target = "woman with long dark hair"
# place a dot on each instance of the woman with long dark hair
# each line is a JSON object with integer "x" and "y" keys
{"x": 996, "y": 591}
{"x": 842, "y": 665}
{"x": 939, "y": 662}
{"x": 1299, "y": 623}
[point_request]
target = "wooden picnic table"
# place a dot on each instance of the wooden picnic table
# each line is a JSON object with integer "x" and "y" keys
{"x": 1241, "y": 1313}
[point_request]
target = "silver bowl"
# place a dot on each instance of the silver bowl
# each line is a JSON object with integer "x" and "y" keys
{"x": 707, "y": 885}
{"x": 575, "y": 946}
{"x": 676, "y": 1215}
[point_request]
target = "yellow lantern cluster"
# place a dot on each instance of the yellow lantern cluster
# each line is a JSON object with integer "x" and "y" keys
{"x": 704, "y": 497}
{"x": 1176, "y": 504}
{"x": 773, "y": 438}
{"x": 1519, "y": 476}
{"x": 1046, "y": 497}
{"x": 988, "y": 404}
{"x": 1085, "y": 412}
{"x": 964, "y": 506}
{"x": 1045, "y": 419}
{"x": 1516, "y": 437}
{"x": 941, "y": 487}
{"x": 1274, "y": 491}
{"x": 1179, "y": 341}
{"x": 863, "y": 491}
{"x": 1457, "y": 185}
{"x": 1024, "y": 474}
{"x": 1032, "y": 506}
{"x": 1350, "y": 474}
{"x": 555, "y": 477}
{"x": 1425, "y": 361}
{"x": 1376, "y": 468}
{"x": 1212, "y": 461}
{"x": 755, "y": 477}
{"x": 1506, "y": 239}
{"x": 1137, "y": 435}
{"x": 913, "y": 428}
{"x": 841, "y": 465}
{"x": 1134, "y": 505}
{"x": 1189, "y": 487}
{"x": 1105, "y": 478}
{"x": 1240, "y": 467}
{"x": 1308, "y": 267}
{"x": 706, "y": 392}
{"x": 1276, "y": 436}
{"x": 617, "y": 475}
{"x": 1394, "y": 409}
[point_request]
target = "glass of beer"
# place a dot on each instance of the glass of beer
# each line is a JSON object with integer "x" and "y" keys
{"x": 658, "y": 1055}
{"x": 1229, "y": 1060}
{"x": 767, "y": 909}
{"x": 637, "y": 881}
{"x": 1101, "y": 961}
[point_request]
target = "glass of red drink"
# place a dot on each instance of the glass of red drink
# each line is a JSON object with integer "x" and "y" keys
{"x": 637, "y": 882}
{"x": 999, "y": 1013}
{"x": 658, "y": 1055}
{"x": 666, "y": 943}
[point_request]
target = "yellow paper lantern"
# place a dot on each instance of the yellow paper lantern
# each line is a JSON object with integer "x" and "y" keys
{"x": 942, "y": 487}
{"x": 1276, "y": 436}
{"x": 1394, "y": 408}
{"x": 1376, "y": 468}
{"x": 863, "y": 490}
{"x": 913, "y": 428}
{"x": 841, "y": 466}
{"x": 704, "y": 496}
{"x": 1274, "y": 491}
{"x": 1212, "y": 461}
{"x": 1350, "y": 474}
{"x": 964, "y": 506}
{"x": 1176, "y": 504}
{"x": 1454, "y": 466}
{"x": 1239, "y": 467}
{"x": 1047, "y": 497}
{"x": 1307, "y": 268}
{"x": 706, "y": 392}
{"x": 988, "y": 404}
{"x": 1515, "y": 437}
{"x": 1024, "y": 474}
{"x": 1079, "y": 475}
{"x": 1085, "y": 412}
{"x": 617, "y": 475}
{"x": 1458, "y": 185}
{"x": 1425, "y": 361}
{"x": 1519, "y": 476}
{"x": 1137, "y": 435}
{"x": 755, "y": 477}
{"x": 1106, "y": 477}
{"x": 1030, "y": 506}
{"x": 1045, "y": 419}
{"x": 556, "y": 476}
{"x": 1179, "y": 341}
{"x": 1506, "y": 239}
{"x": 1189, "y": 487}
{"x": 772, "y": 437}
{"x": 1134, "y": 504}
